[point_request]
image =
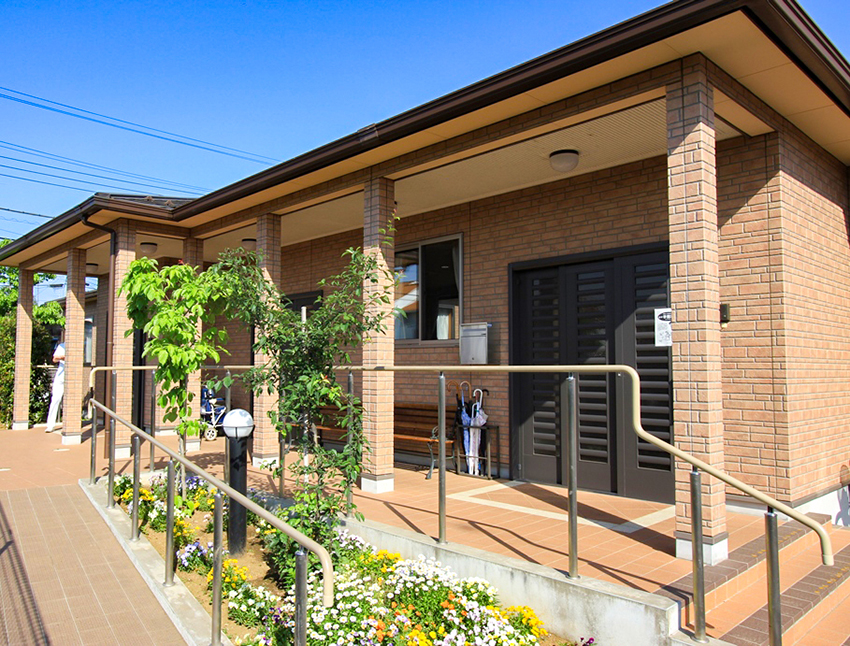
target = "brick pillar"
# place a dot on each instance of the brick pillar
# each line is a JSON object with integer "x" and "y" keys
{"x": 23, "y": 352}
{"x": 122, "y": 347}
{"x": 265, "y": 439}
{"x": 193, "y": 255}
{"x": 100, "y": 335}
{"x": 75, "y": 331}
{"x": 695, "y": 298}
{"x": 379, "y": 348}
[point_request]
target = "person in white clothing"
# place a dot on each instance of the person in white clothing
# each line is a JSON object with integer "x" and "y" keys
{"x": 58, "y": 387}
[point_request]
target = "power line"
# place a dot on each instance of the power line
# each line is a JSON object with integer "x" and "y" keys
{"x": 223, "y": 149}
{"x": 79, "y": 172}
{"x": 3, "y": 218}
{"x": 81, "y": 181}
{"x": 73, "y": 188}
{"x": 35, "y": 152}
{"x": 38, "y": 215}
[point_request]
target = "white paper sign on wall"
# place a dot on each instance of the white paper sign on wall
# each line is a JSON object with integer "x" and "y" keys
{"x": 663, "y": 327}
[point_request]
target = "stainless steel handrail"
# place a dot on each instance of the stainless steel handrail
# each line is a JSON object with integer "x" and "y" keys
{"x": 274, "y": 521}
{"x": 826, "y": 544}
{"x": 569, "y": 420}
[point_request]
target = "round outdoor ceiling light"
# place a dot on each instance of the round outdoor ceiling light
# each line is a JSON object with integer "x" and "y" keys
{"x": 148, "y": 248}
{"x": 91, "y": 267}
{"x": 249, "y": 244}
{"x": 563, "y": 161}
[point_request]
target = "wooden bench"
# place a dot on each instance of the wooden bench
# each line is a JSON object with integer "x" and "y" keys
{"x": 415, "y": 430}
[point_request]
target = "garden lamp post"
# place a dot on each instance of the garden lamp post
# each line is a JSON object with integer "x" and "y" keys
{"x": 237, "y": 425}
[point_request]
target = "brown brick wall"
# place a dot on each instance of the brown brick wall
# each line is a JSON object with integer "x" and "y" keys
{"x": 816, "y": 280}
{"x": 122, "y": 347}
{"x": 23, "y": 348}
{"x": 608, "y": 209}
{"x": 74, "y": 339}
{"x": 754, "y": 398}
{"x": 695, "y": 292}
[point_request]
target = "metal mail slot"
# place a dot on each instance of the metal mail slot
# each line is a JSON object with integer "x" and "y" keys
{"x": 473, "y": 343}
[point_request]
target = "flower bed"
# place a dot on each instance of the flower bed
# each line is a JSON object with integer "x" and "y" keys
{"x": 380, "y": 598}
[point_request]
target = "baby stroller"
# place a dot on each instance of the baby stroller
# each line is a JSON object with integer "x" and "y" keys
{"x": 213, "y": 411}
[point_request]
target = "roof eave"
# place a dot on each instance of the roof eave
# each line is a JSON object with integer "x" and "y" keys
{"x": 97, "y": 202}
{"x": 782, "y": 20}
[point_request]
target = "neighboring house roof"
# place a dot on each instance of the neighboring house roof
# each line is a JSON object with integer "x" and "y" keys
{"x": 770, "y": 46}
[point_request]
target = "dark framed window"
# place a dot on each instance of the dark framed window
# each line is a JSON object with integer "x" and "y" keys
{"x": 310, "y": 300}
{"x": 429, "y": 290}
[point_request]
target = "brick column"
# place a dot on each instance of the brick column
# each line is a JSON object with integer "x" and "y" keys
{"x": 75, "y": 332}
{"x": 379, "y": 348}
{"x": 265, "y": 445}
{"x": 100, "y": 335}
{"x": 122, "y": 347}
{"x": 193, "y": 255}
{"x": 23, "y": 352}
{"x": 695, "y": 297}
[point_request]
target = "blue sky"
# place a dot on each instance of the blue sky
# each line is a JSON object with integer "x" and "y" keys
{"x": 273, "y": 78}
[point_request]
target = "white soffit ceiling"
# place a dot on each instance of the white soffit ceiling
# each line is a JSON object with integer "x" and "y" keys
{"x": 619, "y": 138}
{"x": 231, "y": 240}
{"x": 325, "y": 219}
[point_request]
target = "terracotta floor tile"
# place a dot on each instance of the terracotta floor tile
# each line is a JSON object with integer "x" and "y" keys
{"x": 530, "y": 524}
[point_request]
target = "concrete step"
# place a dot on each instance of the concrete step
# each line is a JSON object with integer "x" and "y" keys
{"x": 805, "y": 603}
{"x": 743, "y": 571}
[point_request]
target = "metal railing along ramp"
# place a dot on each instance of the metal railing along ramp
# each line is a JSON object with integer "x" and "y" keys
{"x": 569, "y": 422}
{"x": 304, "y": 541}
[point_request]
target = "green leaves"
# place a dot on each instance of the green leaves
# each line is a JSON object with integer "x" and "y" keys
{"x": 176, "y": 306}
{"x": 298, "y": 367}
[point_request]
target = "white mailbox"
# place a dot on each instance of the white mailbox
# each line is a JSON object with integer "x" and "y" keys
{"x": 474, "y": 339}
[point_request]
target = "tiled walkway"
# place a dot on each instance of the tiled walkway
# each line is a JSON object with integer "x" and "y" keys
{"x": 622, "y": 541}
{"x": 65, "y": 579}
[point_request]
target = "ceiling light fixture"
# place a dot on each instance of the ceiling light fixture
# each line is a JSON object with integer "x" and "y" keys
{"x": 148, "y": 248}
{"x": 91, "y": 267}
{"x": 563, "y": 161}
{"x": 249, "y": 244}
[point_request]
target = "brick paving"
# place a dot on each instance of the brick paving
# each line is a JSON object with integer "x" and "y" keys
{"x": 65, "y": 579}
{"x": 623, "y": 541}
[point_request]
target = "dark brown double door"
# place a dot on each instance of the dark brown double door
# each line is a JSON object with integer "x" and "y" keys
{"x": 594, "y": 313}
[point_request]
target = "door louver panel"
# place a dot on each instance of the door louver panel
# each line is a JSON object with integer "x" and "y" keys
{"x": 545, "y": 349}
{"x": 653, "y": 365}
{"x": 592, "y": 330}
{"x": 595, "y": 313}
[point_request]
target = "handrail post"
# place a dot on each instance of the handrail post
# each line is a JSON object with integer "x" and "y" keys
{"x": 134, "y": 524}
{"x": 110, "y": 483}
{"x": 169, "y": 527}
{"x": 698, "y": 557}
{"x": 441, "y": 421}
{"x": 349, "y": 495}
{"x": 216, "y": 586}
{"x": 181, "y": 443}
{"x": 281, "y": 462}
{"x": 93, "y": 417}
{"x": 300, "y": 597}
{"x": 774, "y": 606}
{"x": 569, "y": 419}
{"x": 153, "y": 419}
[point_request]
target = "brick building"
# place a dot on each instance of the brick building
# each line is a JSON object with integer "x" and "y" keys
{"x": 712, "y": 141}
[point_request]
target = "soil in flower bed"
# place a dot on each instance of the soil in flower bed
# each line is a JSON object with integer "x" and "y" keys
{"x": 252, "y": 558}
{"x": 258, "y": 575}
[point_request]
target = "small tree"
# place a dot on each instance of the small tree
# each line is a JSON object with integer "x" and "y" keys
{"x": 176, "y": 307}
{"x": 299, "y": 370}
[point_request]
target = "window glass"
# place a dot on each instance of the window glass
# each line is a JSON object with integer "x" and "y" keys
{"x": 87, "y": 344}
{"x": 407, "y": 294}
{"x": 429, "y": 291}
